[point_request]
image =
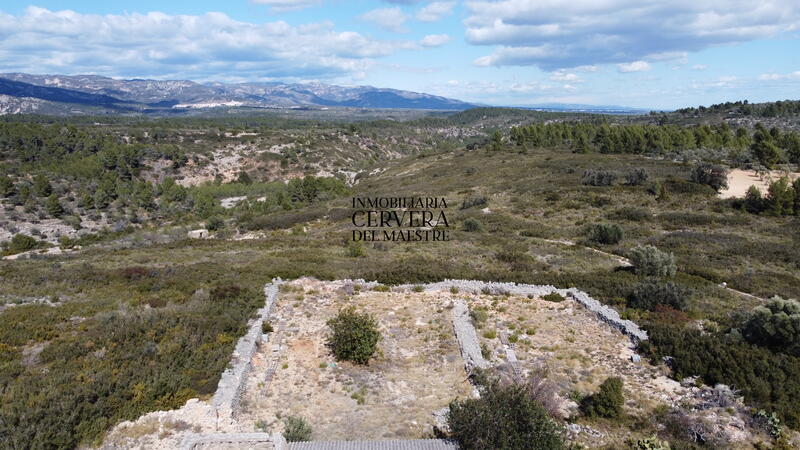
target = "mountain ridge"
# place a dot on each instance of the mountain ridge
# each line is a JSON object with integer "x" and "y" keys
{"x": 141, "y": 94}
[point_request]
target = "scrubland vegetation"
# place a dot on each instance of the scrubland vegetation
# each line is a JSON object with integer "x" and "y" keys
{"x": 142, "y": 319}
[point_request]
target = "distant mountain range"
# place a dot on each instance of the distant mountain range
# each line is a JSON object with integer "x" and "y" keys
{"x": 25, "y": 93}
{"x": 22, "y": 93}
{"x": 578, "y": 107}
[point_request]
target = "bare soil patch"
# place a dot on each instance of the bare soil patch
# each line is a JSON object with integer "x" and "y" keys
{"x": 418, "y": 368}
{"x": 739, "y": 181}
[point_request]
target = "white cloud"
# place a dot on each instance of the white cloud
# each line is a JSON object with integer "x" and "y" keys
{"x": 779, "y": 76}
{"x": 699, "y": 67}
{"x": 287, "y": 5}
{"x": 561, "y": 75}
{"x": 636, "y": 66}
{"x": 391, "y": 19}
{"x": 159, "y": 45}
{"x": 557, "y": 34}
{"x": 435, "y": 11}
{"x": 434, "y": 40}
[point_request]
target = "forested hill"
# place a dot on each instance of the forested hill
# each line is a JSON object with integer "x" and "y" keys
{"x": 784, "y": 109}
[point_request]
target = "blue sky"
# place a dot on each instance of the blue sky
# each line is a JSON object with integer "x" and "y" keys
{"x": 641, "y": 53}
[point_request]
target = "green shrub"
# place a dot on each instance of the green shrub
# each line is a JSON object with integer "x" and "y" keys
{"x": 753, "y": 201}
{"x": 266, "y": 327}
{"x": 355, "y": 249}
{"x": 766, "y": 379}
{"x": 22, "y": 243}
{"x": 476, "y": 200}
{"x": 297, "y": 429}
{"x": 353, "y": 336}
{"x": 607, "y": 402}
{"x": 215, "y": 223}
{"x": 649, "y": 443}
{"x": 53, "y": 206}
{"x": 775, "y": 325}
{"x": 710, "y": 175}
{"x": 553, "y": 297}
{"x": 650, "y": 261}
{"x": 780, "y": 198}
{"x": 503, "y": 417}
{"x": 479, "y": 316}
{"x": 605, "y": 233}
{"x": 630, "y": 213}
{"x": 636, "y": 177}
{"x": 598, "y": 177}
{"x": 6, "y": 186}
{"x": 472, "y": 225}
{"x": 650, "y": 293}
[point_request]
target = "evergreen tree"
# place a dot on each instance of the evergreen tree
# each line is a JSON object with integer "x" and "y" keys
{"x": 53, "y": 206}
{"x": 41, "y": 186}
{"x": 766, "y": 152}
{"x": 6, "y": 186}
{"x": 607, "y": 402}
{"x": 753, "y": 203}
{"x": 780, "y": 198}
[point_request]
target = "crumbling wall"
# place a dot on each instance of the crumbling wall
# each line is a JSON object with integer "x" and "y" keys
{"x": 467, "y": 337}
{"x": 605, "y": 313}
{"x": 232, "y": 382}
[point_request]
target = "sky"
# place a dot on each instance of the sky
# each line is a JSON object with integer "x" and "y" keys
{"x": 649, "y": 54}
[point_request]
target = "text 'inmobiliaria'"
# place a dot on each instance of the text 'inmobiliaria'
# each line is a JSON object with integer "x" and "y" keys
{"x": 400, "y": 219}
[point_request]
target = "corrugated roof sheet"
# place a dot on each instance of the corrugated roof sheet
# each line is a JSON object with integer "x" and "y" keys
{"x": 412, "y": 444}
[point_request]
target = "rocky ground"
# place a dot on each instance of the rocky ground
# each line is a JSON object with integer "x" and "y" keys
{"x": 418, "y": 369}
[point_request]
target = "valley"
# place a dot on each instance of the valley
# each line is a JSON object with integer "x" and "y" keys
{"x": 111, "y": 312}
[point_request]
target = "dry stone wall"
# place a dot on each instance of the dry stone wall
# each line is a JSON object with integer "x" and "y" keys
{"x": 605, "y": 313}
{"x": 231, "y": 385}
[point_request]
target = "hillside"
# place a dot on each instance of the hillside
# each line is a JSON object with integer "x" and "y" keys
{"x": 132, "y": 316}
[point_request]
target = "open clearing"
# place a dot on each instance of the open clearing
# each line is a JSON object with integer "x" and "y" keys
{"x": 418, "y": 369}
{"x": 739, "y": 181}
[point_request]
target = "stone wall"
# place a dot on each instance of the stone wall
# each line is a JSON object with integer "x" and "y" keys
{"x": 232, "y": 382}
{"x": 605, "y": 313}
{"x": 467, "y": 337}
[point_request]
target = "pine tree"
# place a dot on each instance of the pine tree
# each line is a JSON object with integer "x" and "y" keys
{"x": 53, "y": 206}
{"x": 41, "y": 186}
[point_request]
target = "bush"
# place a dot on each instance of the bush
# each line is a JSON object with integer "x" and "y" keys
{"x": 710, "y": 175}
{"x": 649, "y": 443}
{"x": 607, "y": 402}
{"x": 215, "y": 223}
{"x": 650, "y": 261}
{"x": 753, "y": 201}
{"x": 266, "y": 327}
{"x": 355, "y": 249}
{"x": 22, "y": 243}
{"x": 636, "y": 177}
{"x": 473, "y": 225}
{"x": 598, "y": 177}
{"x": 53, "y": 206}
{"x": 766, "y": 379}
{"x": 605, "y": 233}
{"x": 650, "y": 293}
{"x": 297, "y": 429}
{"x": 631, "y": 213}
{"x": 477, "y": 200}
{"x": 780, "y": 198}
{"x": 503, "y": 417}
{"x": 553, "y": 297}
{"x": 354, "y": 336}
{"x": 775, "y": 325}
